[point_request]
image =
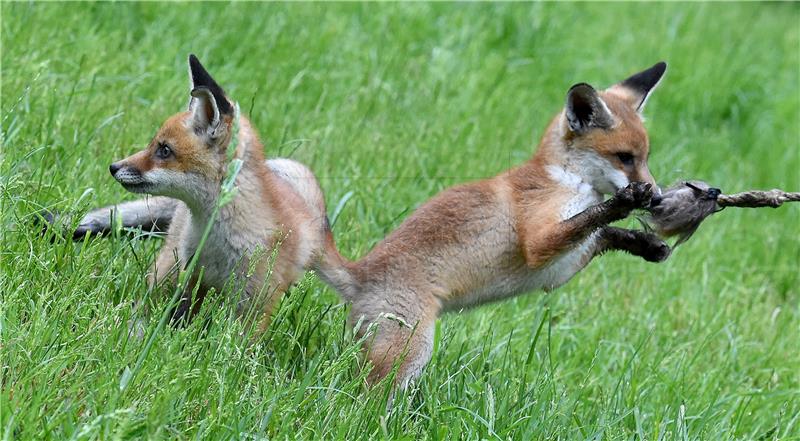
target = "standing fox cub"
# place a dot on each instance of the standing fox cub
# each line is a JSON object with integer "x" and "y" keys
{"x": 278, "y": 206}
{"x": 530, "y": 228}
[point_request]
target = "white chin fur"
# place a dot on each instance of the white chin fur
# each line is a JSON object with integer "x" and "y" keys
{"x": 138, "y": 188}
{"x": 188, "y": 187}
{"x": 128, "y": 177}
{"x": 618, "y": 181}
{"x": 588, "y": 167}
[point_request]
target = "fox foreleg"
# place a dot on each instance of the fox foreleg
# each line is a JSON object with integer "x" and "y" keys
{"x": 151, "y": 214}
{"x": 648, "y": 246}
{"x": 542, "y": 247}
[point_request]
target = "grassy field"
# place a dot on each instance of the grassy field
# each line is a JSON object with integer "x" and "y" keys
{"x": 394, "y": 103}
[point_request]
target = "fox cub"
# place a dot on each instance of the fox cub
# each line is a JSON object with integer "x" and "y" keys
{"x": 279, "y": 206}
{"x": 532, "y": 227}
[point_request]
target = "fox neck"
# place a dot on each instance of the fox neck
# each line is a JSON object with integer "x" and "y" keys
{"x": 250, "y": 151}
{"x": 582, "y": 170}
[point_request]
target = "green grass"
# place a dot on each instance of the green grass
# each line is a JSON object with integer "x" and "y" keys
{"x": 394, "y": 103}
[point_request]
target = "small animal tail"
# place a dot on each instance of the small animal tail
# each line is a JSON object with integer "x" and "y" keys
{"x": 332, "y": 267}
{"x": 335, "y": 269}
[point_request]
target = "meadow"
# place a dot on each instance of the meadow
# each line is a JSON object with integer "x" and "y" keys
{"x": 389, "y": 104}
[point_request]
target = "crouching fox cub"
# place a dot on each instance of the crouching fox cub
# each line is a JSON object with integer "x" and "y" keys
{"x": 279, "y": 206}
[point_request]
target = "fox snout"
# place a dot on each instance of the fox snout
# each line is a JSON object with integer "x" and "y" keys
{"x": 124, "y": 173}
{"x": 114, "y": 168}
{"x": 647, "y": 177}
{"x": 130, "y": 177}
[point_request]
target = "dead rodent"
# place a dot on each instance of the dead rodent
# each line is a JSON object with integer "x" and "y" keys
{"x": 682, "y": 208}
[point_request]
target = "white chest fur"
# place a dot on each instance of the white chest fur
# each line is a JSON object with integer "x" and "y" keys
{"x": 584, "y": 195}
{"x": 229, "y": 242}
{"x": 569, "y": 263}
{"x": 217, "y": 258}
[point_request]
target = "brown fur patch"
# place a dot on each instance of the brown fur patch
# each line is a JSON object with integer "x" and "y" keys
{"x": 451, "y": 217}
{"x": 627, "y": 136}
{"x": 190, "y": 153}
{"x": 142, "y": 161}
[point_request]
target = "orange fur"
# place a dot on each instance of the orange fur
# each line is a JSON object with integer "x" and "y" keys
{"x": 532, "y": 227}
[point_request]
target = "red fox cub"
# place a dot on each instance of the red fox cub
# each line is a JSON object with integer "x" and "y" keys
{"x": 278, "y": 206}
{"x": 532, "y": 227}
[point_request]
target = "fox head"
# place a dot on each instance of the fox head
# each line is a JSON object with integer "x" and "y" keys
{"x": 187, "y": 155}
{"x": 602, "y": 134}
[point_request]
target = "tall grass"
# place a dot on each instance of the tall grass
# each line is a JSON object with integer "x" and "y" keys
{"x": 389, "y": 104}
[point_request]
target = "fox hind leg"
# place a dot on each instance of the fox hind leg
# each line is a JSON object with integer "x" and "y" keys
{"x": 262, "y": 293}
{"x": 394, "y": 341}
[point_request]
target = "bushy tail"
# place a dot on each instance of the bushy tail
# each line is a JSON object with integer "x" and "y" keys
{"x": 331, "y": 266}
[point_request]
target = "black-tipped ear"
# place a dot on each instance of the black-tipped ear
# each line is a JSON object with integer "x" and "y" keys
{"x": 585, "y": 110}
{"x": 637, "y": 87}
{"x": 202, "y": 79}
{"x": 206, "y": 115}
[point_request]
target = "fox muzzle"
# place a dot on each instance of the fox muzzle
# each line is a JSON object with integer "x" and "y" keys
{"x": 130, "y": 177}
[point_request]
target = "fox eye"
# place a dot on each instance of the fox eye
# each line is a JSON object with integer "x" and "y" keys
{"x": 163, "y": 151}
{"x": 625, "y": 158}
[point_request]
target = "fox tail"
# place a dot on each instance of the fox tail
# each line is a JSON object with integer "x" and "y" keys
{"x": 331, "y": 266}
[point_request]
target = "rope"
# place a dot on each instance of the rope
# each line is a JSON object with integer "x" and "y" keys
{"x": 754, "y": 199}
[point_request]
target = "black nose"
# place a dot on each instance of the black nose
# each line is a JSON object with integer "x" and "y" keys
{"x": 114, "y": 168}
{"x": 655, "y": 200}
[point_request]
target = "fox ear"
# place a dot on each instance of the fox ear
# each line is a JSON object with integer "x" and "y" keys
{"x": 208, "y": 102}
{"x": 586, "y": 110}
{"x": 637, "y": 87}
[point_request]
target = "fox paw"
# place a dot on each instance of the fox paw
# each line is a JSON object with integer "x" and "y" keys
{"x": 84, "y": 230}
{"x": 634, "y": 195}
{"x": 656, "y": 250}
